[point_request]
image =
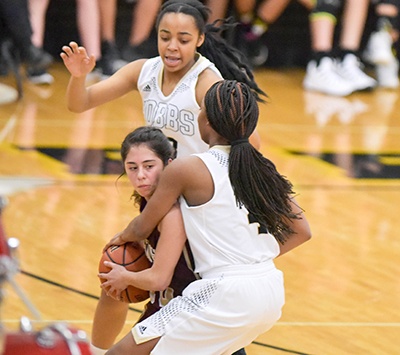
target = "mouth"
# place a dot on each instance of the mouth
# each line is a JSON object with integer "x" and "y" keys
{"x": 172, "y": 60}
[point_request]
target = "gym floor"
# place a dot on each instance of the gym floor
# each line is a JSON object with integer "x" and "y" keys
{"x": 59, "y": 172}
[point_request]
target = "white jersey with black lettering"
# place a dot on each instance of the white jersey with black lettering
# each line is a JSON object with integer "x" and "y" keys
{"x": 219, "y": 232}
{"x": 176, "y": 114}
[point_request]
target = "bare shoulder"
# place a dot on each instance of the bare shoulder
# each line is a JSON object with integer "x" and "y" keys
{"x": 185, "y": 171}
{"x": 206, "y": 78}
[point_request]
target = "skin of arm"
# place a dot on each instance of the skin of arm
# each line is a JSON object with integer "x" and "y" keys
{"x": 81, "y": 98}
{"x": 159, "y": 276}
{"x": 300, "y": 227}
{"x": 187, "y": 176}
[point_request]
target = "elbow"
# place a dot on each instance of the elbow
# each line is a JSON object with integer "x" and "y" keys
{"x": 74, "y": 109}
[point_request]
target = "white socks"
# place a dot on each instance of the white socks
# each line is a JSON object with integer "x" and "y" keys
{"x": 97, "y": 351}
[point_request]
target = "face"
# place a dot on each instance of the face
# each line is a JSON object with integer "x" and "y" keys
{"x": 143, "y": 168}
{"x": 178, "y": 39}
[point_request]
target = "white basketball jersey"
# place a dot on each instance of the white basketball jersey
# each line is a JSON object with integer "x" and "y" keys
{"x": 175, "y": 114}
{"x": 220, "y": 233}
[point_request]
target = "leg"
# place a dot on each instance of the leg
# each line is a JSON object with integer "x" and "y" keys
{"x": 218, "y": 9}
{"x": 144, "y": 17}
{"x": 350, "y": 67}
{"x": 127, "y": 345}
{"x": 89, "y": 26}
{"x": 37, "y": 9}
{"x": 108, "y": 15}
{"x": 108, "y": 321}
{"x": 321, "y": 72}
{"x": 354, "y": 17}
{"x": 141, "y": 43}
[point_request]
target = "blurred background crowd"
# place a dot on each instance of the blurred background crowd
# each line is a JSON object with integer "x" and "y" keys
{"x": 336, "y": 41}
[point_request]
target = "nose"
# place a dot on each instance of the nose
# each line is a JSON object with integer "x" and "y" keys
{"x": 140, "y": 174}
{"x": 173, "y": 44}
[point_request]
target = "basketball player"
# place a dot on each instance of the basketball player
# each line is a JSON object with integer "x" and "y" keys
{"x": 172, "y": 85}
{"x": 145, "y": 152}
{"x": 239, "y": 214}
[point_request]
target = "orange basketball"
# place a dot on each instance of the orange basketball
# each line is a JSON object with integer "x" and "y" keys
{"x": 133, "y": 258}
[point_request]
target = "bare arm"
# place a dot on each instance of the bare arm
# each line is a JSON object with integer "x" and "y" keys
{"x": 300, "y": 227}
{"x": 81, "y": 98}
{"x": 159, "y": 276}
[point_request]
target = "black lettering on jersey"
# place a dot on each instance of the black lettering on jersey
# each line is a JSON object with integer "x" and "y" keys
{"x": 253, "y": 219}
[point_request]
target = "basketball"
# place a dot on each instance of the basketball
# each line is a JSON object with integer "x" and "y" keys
{"x": 133, "y": 258}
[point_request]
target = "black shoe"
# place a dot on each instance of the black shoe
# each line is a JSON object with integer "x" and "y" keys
{"x": 3, "y": 67}
{"x": 111, "y": 61}
{"x": 36, "y": 57}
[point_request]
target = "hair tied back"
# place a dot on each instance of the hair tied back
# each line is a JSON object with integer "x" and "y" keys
{"x": 239, "y": 141}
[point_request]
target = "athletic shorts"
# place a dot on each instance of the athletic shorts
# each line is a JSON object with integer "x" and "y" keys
{"x": 219, "y": 314}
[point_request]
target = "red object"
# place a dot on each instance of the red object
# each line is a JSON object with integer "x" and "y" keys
{"x": 58, "y": 339}
{"x": 133, "y": 258}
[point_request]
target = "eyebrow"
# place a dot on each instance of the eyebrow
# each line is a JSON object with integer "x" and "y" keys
{"x": 146, "y": 161}
{"x": 181, "y": 33}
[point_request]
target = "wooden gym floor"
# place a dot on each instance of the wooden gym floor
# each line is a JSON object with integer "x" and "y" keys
{"x": 59, "y": 172}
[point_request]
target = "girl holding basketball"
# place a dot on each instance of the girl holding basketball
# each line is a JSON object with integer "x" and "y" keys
{"x": 145, "y": 152}
{"x": 172, "y": 85}
{"x": 239, "y": 214}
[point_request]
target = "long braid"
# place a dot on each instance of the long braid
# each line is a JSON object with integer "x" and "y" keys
{"x": 229, "y": 61}
{"x": 232, "y": 111}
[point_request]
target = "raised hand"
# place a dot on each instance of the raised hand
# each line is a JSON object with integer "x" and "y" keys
{"x": 77, "y": 60}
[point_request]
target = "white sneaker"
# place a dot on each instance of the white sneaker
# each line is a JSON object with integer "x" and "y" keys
{"x": 350, "y": 68}
{"x": 39, "y": 76}
{"x": 323, "y": 78}
{"x": 379, "y": 48}
{"x": 387, "y": 75}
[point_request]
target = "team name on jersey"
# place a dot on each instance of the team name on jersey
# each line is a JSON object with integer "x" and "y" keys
{"x": 163, "y": 115}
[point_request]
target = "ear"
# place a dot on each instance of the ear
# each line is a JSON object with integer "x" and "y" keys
{"x": 200, "y": 41}
{"x": 169, "y": 160}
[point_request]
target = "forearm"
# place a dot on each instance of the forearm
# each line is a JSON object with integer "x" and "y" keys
{"x": 77, "y": 94}
{"x": 149, "y": 279}
{"x": 301, "y": 231}
{"x": 133, "y": 231}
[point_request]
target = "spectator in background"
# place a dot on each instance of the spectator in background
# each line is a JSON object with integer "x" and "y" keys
{"x": 88, "y": 25}
{"x": 15, "y": 38}
{"x": 379, "y": 50}
{"x": 337, "y": 70}
{"x": 254, "y": 17}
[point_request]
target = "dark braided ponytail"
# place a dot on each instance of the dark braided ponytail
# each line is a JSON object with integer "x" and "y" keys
{"x": 232, "y": 111}
{"x": 229, "y": 61}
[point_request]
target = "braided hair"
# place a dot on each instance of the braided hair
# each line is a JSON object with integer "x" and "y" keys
{"x": 232, "y": 112}
{"x": 229, "y": 61}
{"x": 155, "y": 140}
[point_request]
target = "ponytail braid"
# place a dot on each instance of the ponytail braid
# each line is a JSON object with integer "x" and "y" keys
{"x": 232, "y": 111}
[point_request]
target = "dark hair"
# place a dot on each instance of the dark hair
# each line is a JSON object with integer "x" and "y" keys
{"x": 155, "y": 140}
{"x": 229, "y": 61}
{"x": 232, "y": 111}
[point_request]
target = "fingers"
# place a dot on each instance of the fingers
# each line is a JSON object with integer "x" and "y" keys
{"x": 73, "y": 48}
